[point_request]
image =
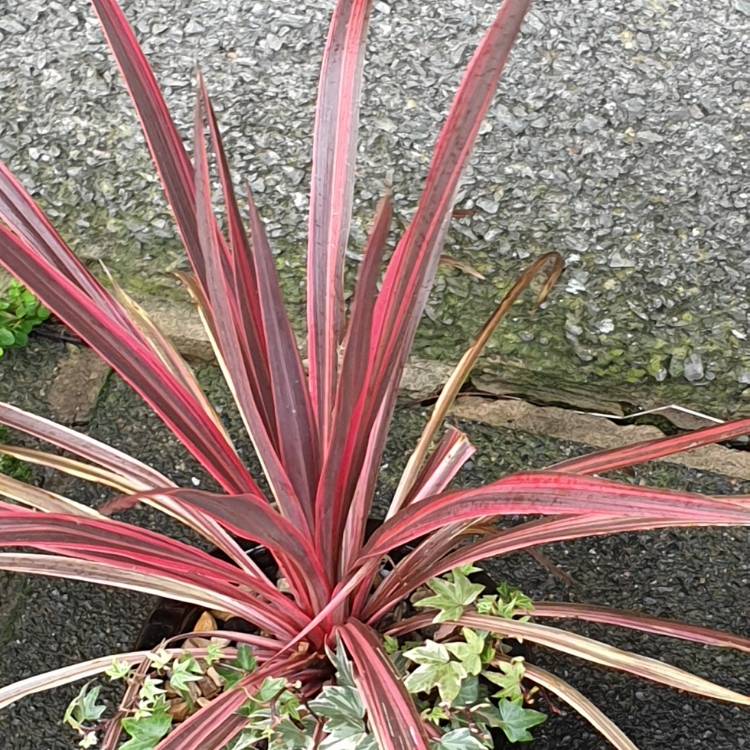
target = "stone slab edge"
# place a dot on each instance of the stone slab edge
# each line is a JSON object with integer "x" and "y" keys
{"x": 424, "y": 378}
{"x": 597, "y": 432}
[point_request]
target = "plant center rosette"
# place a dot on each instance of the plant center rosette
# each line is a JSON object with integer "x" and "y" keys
{"x": 468, "y": 684}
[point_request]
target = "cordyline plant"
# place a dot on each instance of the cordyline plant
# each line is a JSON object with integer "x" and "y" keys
{"x": 319, "y": 432}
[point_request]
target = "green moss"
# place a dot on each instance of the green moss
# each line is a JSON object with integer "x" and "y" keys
{"x": 143, "y": 255}
{"x": 635, "y": 375}
{"x": 656, "y": 365}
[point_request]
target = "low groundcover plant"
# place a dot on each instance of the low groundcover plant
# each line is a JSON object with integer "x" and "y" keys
{"x": 20, "y": 313}
{"x": 359, "y": 640}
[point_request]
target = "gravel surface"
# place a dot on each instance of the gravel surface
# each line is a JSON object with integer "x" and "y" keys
{"x": 619, "y": 138}
{"x": 700, "y": 576}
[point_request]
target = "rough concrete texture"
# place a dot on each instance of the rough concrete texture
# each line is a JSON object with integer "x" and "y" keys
{"x": 701, "y": 576}
{"x": 618, "y": 138}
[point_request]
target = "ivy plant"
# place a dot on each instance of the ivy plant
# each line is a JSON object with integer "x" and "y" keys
{"x": 466, "y": 681}
{"x": 451, "y": 594}
{"x": 145, "y": 732}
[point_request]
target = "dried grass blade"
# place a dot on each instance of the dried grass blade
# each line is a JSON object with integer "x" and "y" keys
{"x": 580, "y": 703}
{"x": 44, "y": 500}
{"x": 463, "y": 369}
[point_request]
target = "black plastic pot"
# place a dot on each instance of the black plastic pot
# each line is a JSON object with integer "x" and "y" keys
{"x": 170, "y": 618}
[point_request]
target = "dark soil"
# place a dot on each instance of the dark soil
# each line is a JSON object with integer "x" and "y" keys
{"x": 700, "y": 576}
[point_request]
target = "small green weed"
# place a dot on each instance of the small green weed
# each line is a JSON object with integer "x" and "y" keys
{"x": 20, "y": 313}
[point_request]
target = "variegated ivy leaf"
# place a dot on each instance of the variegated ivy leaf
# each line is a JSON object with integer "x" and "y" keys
{"x": 146, "y": 732}
{"x": 246, "y": 660}
{"x": 451, "y": 597}
{"x": 274, "y": 715}
{"x": 509, "y": 678}
{"x": 515, "y": 720}
{"x": 466, "y": 570}
{"x": 160, "y": 659}
{"x": 289, "y": 736}
{"x": 430, "y": 653}
{"x": 184, "y": 671}
{"x": 84, "y": 708}
{"x": 339, "y": 702}
{"x": 343, "y": 667}
{"x": 468, "y": 695}
{"x": 258, "y": 728}
{"x": 214, "y": 653}
{"x": 118, "y": 670}
{"x": 270, "y": 689}
{"x": 470, "y": 652}
{"x": 354, "y": 742}
{"x": 390, "y": 644}
{"x": 261, "y": 707}
{"x": 435, "y": 714}
{"x": 150, "y": 690}
{"x": 506, "y": 603}
{"x": 344, "y": 712}
{"x": 511, "y": 716}
{"x": 342, "y": 708}
{"x": 283, "y": 735}
{"x": 459, "y": 739}
{"x": 288, "y": 704}
{"x": 246, "y": 740}
{"x": 244, "y": 664}
{"x": 436, "y": 670}
{"x": 487, "y": 605}
{"x": 149, "y": 706}
{"x": 515, "y": 596}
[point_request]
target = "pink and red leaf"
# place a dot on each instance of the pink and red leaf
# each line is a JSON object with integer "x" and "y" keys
{"x": 331, "y": 194}
{"x": 551, "y": 493}
{"x": 127, "y": 352}
{"x": 390, "y": 709}
{"x": 411, "y": 271}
